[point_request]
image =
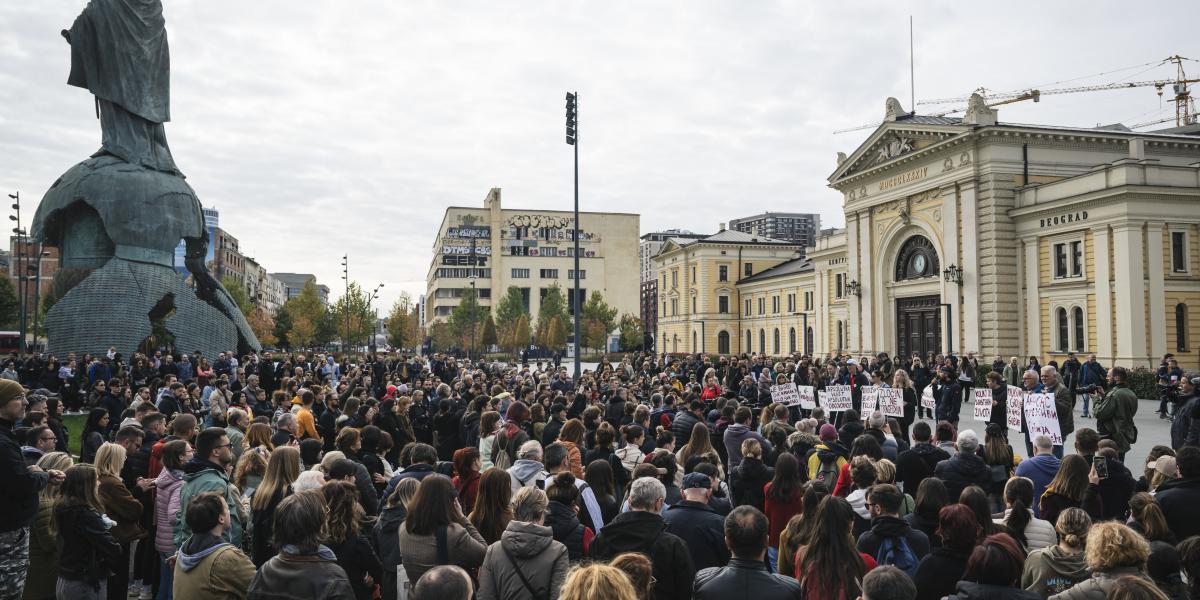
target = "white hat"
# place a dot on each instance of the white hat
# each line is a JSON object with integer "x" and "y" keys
{"x": 852, "y": 361}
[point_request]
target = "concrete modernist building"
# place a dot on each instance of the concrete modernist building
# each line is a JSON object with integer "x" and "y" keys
{"x": 494, "y": 247}
{"x": 801, "y": 228}
{"x": 1003, "y": 239}
{"x": 293, "y": 283}
{"x": 651, "y": 243}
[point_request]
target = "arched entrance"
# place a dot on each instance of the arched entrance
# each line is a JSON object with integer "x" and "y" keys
{"x": 723, "y": 342}
{"x": 918, "y": 316}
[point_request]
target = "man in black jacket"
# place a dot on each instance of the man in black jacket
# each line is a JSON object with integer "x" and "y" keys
{"x": 1118, "y": 487}
{"x": 746, "y": 576}
{"x": 965, "y": 468}
{"x": 685, "y": 421}
{"x": 917, "y": 463}
{"x": 697, "y": 524}
{"x": 642, "y": 529}
{"x": 1179, "y": 497}
{"x": 19, "y": 495}
{"x": 884, "y": 502}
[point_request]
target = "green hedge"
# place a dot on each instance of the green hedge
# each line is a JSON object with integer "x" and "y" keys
{"x": 1143, "y": 382}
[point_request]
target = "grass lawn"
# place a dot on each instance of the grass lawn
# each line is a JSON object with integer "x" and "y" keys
{"x": 75, "y": 425}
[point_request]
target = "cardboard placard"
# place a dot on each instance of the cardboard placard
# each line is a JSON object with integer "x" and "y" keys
{"x": 870, "y": 401}
{"x": 808, "y": 397}
{"x": 1041, "y": 417}
{"x": 891, "y": 402}
{"x": 927, "y": 400}
{"x": 1016, "y": 403}
{"x": 785, "y": 394}
{"x": 836, "y": 398}
{"x": 983, "y": 403}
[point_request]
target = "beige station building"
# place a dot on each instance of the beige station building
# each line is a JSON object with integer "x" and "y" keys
{"x": 492, "y": 248}
{"x": 967, "y": 234}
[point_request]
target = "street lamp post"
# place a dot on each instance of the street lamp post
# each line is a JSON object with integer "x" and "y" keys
{"x": 573, "y": 140}
{"x": 346, "y": 279}
{"x": 374, "y": 318}
{"x": 22, "y": 277}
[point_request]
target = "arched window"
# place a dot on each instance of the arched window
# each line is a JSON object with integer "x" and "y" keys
{"x": 791, "y": 340}
{"x": 762, "y": 341}
{"x": 839, "y": 336}
{"x": 1181, "y": 327}
{"x": 917, "y": 259}
{"x": 749, "y": 341}
{"x": 775, "y": 342}
{"x": 723, "y": 342}
{"x": 1080, "y": 336}
{"x": 808, "y": 340}
{"x": 695, "y": 346}
{"x": 1064, "y": 329}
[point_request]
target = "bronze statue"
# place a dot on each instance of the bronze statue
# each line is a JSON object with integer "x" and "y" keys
{"x": 120, "y": 213}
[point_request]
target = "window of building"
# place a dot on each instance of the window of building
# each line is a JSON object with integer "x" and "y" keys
{"x": 693, "y": 304}
{"x": 548, "y": 273}
{"x": 808, "y": 340}
{"x": 664, "y": 280}
{"x": 791, "y": 303}
{"x": 791, "y": 340}
{"x": 693, "y": 274}
{"x": 749, "y": 269}
{"x": 775, "y": 305}
{"x": 1179, "y": 253}
{"x": 808, "y": 300}
{"x": 839, "y": 335}
{"x": 723, "y": 273}
{"x": 664, "y": 308}
{"x": 520, "y": 273}
{"x": 674, "y": 306}
{"x": 1181, "y": 327}
{"x": 695, "y": 346}
{"x": 571, "y": 274}
{"x": 1060, "y": 261}
{"x": 762, "y": 341}
{"x": 723, "y": 342}
{"x": 762, "y": 306}
{"x": 674, "y": 277}
{"x": 1068, "y": 259}
{"x": 1077, "y": 259}
{"x": 748, "y": 303}
{"x": 722, "y": 304}
{"x": 1077, "y": 327}
{"x": 837, "y": 291}
{"x": 775, "y": 343}
{"x": 1062, "y": 327}
{"x": 749, "y": 341}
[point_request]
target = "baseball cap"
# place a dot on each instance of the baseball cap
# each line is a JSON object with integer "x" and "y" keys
{"x": 696, "y": 480}
{"x": 853, "y": 361}
{"x": 1165, "y": 465}
{"x": 828, "y": 433}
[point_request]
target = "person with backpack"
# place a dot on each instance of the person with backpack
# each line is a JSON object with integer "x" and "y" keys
{"x": 826, "y": 459}
{"x": 511, "y": 436}
{"x": 891, "y": 541}
{"x": 526, "y": 563}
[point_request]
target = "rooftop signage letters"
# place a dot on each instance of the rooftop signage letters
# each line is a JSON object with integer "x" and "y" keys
{"x": 1063, "y": 219}
{"x": 903, "y": 178}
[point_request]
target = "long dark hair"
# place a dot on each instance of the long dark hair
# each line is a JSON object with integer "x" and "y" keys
{"x": 599, "y": 477}
{"x": 1018, "y": 493}
{"x": 976, "y": 499}
{"x": 834, "y": 562}
{"x": 801, "y": 525}
{"x": 93, "y": 422}
{"x": 931, "y": 497}
{"x": 493, "y": 504}
{"x": 431, "y": 507}
{"x": 787, "y": 481}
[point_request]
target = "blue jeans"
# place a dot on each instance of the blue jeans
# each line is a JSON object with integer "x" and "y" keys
{"x": 166, "y": 577}
{"x": 1087, "y": 399}
{"x": 772, "y": 559}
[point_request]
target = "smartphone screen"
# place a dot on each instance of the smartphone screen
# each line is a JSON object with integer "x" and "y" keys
{"x": 1101, "y": 465}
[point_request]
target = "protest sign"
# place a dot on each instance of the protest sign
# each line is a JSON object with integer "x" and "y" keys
{"x": 870, "y": 400}
{"x": 983, "y": 403}
{"x": 808, "y": 398}
{"x": 1015, "y": 406}
{"x": 836, "y": 398}
{"x": 927, "y": 398}
{"x": 785, "y": 394}
{"x": 891, "y": 402}
{"x": 1041, "y": 417}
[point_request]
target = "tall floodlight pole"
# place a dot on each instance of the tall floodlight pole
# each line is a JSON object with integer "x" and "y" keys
{"x": 573, "y": 139}
{"x": 346, "y": 303}
{"x": 22, "y": 276}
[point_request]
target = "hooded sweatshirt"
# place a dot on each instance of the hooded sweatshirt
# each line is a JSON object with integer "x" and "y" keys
{"x": 735, "y": 435}
{"x": 532, "y": 549}
{"x": 526, "y": 472}
{"x": 1041, "y": 470}
{"x": 1052, "y": 571}
{"x": 210, "y": 567}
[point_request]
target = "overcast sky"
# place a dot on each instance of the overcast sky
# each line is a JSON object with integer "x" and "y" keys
{"x": 322, "y": 128}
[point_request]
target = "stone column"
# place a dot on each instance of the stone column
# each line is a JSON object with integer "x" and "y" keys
{"x": 1032, "y": 299}
{"x": 970, "y": 270}
{"x": 866, "y": 304}
{"x": 1155, "y": 280}
{"x": 949, "y": 256}
{"x": 853, "y": 303}
{"x": 1104, "y": 305}
{"x": 1130, "y": 294}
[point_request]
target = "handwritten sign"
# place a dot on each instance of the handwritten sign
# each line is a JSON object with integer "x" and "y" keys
{"x": 785, "y": 394}
{"x": 1015, "y": 406}
{"x": 870, "y": 400}
{"x": 983, "y": 403}
{"x": 891, "y": 402}
{"x": 808, "y": 398}
{"x": 927, "y": 400}
{"x": 836, "y": 398}
{"x": 1041, "y": 417}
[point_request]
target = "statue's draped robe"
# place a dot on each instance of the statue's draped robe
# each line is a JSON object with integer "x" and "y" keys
{"x": 119, "y": 53}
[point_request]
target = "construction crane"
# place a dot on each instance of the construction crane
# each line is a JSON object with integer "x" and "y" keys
{"x": 1185, "y": 105}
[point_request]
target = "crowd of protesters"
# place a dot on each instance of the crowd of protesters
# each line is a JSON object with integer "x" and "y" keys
{"x": 666, "y": 477}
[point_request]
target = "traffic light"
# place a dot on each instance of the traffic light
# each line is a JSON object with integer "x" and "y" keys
{"x": 571, "y": 118}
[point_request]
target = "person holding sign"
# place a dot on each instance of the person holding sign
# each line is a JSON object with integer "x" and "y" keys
{"x": 995, "y": 381}
{"x": 900, "y": 381}
{"x": 856, "y": 381}
{"x": 1062, "y": 404}
{"x": 949, "y": 396}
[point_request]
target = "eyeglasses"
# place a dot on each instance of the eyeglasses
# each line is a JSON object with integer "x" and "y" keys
{"x": 49, "y": 439}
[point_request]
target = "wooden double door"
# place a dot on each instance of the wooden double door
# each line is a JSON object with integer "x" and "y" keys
{"x": 918, "y": 325}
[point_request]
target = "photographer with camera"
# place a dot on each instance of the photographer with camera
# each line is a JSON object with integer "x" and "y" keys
{"x": 1115, "y": 411}
{"x": 1092, "y": 376}
{"x": 1169, "y": 375}
{"x": 1185, "y": 429}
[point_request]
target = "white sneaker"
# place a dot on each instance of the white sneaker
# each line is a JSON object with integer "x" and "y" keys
{"x": 147, "y": 593}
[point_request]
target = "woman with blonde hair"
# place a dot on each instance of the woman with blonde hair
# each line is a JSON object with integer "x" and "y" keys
{"x": 83, "y": 533}
{"x": 248, "y": 473}
{"x": 43, "y": 552}
{"x": 1055, "y": 569}
{"x": 699, "y": 444}
{"x": 597, "y": 582}
{"x": 885, "y": 472}
{"x": 901, "y": 381}
{"x": 282, "y": 471}
{"x": 259, "y": 436}
{"x": 1146, "y": 518}
{"x": 1113, "y": 551}
{"x": 120, "y": 506}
